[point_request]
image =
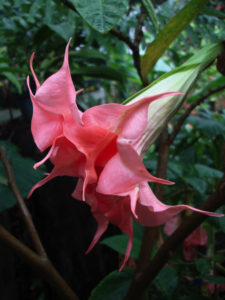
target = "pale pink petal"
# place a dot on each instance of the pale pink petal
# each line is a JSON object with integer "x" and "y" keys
{"x": 38, "y": 164}
{"x": 157, "y": 213}
{"x": 57, "y": 94}
{"x": 67, "y": 160}
{"x": 124, "y": 171}
{"x": 128, "y": 251}
{"x": 127, "y": 120}
{"x": 45, "y": 126}
{"x": 198, "y": 237}
{"x": 93, "y": 143}
{"x": 78, "y": 192}
{"x": 102, "y": 226}
{"x": 171, "y": 225}
{"x": 33, "y": 73}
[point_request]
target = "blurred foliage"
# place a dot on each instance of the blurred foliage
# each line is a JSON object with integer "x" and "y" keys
{"x": 103, "y": 64}
{"x": 24, "y": 174}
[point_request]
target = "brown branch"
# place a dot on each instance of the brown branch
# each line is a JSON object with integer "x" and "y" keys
{"x": 41, "y": 264}
{"x": 182, "y": 119}
{"x": 150, "y": 233}
{"x": 143, "y": 279}
{"x": 22, "y": 206}
{"x": 138, "y": 31}
{"x": 69, "y": 5}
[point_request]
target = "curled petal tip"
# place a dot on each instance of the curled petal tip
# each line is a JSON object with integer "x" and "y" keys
{"x": 79, "y": 91}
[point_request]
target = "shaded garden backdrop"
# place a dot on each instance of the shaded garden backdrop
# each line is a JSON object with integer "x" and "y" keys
{"x": 117, "y": 48}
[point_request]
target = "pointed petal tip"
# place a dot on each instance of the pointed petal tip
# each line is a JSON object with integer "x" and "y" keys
{"x": 79, "y": 91}
{"x": 32, "y": 71}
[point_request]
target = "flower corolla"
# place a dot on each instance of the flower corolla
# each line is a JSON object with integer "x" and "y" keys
{"x": 102, "y": 148}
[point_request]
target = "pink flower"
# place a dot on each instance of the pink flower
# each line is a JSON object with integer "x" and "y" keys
{"x": 103, "y": 147}
{"x": 198, "y": 237}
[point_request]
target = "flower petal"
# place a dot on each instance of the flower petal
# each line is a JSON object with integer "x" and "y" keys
{"x": 57, "y": 94}
{"x": 72, "y": 164}
{"x": 127, "y": 120}
{"x": 157, "y": 213}
{"x": 33, "y": 73}
{"x": 45, "y": 126}
{"x": 124, "y": 171}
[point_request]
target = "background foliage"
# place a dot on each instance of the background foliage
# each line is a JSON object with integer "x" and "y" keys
{"x": 103, "y": 61}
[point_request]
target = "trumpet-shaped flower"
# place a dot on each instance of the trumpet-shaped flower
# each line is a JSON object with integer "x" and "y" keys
{"x": 102, "y": 148}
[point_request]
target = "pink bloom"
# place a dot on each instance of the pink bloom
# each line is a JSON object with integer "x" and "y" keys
{"x": 103, "y": 147}
{"x": 198, "y": 237}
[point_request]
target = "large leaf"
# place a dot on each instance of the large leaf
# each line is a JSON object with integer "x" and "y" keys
{"x": 11, "y": 77}
{"x": 25, "y": 176}
{"x": 203, "y": 266}
{"x": 102, "y": 15}
{"x": 65, "y": 29}
{"x": 208, "y": 172}
{"x": 151, "y": 13}
{"x": 114, "y": 286}
{"x": 209, "y": 127}
{"x": 119, "y": 244}
{"x": 198, "y": 184}
{"x": 166, "y": 282}
{"x": 168, "y": 34}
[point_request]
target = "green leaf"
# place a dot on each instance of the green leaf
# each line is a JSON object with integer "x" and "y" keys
{"x": 213, "y": 12}
{"x": 114, "y": 286}
{"x": 215, "y": 279}
{"x": 221, "y": 222}
{"x": 25, "y": 176}
{"x": 87, "y": 53}
{"x": 119, "y": 244}
{"x": 166, "y": 282}
{"x": 100, "y": 72}
{"x": 203, "y": 266}
{"x": 169, "y": 33}
{"x": 209, "y": 127}
{"x": 64, "y": 29}
{"x": 3, "y": 180}
{"x": 198, "y": 184}
{"x": 151, "y": 13}
{"x": 14, "y": 80}
{"x": 208, "y": 172}
{"x": 102, "y": 15}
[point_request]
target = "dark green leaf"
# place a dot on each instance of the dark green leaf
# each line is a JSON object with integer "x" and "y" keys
{"x": 10, "y": 76}
{"x": 203, "y": 266}
{"x": 166, "y": 282}
{"x": 87, "y": 53}
{"x": 25, "y": 176}
{"x": 215, "y": 279}
{"x": 169, "y": 33}
{"x": 102, "y": 15}
{"x": 119, "y": 244}
{"x": 213, "y": 12}
{"x": 208, "y": 172}
{"x": 114, "y": 286}
{"x": 198, "y": 184}
{"x": 209, "y": 127}
{"x": 65, "y": 29}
